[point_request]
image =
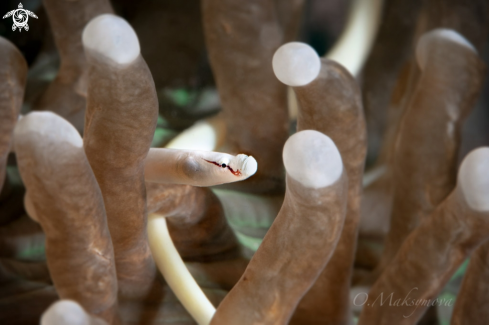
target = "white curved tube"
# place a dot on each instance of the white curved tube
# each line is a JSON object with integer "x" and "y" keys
{"x": 354, "y": 44}
{"x": 176, "y": 273}
{"x": 206, "y": 135}
{"x": 351, "y": 51}
{"x": 352, "y": 48}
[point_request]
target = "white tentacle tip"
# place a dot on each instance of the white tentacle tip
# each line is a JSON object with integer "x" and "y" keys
{"x": 473, "y": 178}
{"x": 65, "y": 312}
{"x": 296, "y": 64}
{"x": 112, "y": 37}
{"x": 311, "y": 158}
{"x": 423, "y": 48}
{"x": 50, "y": 126}
{"x": 247, "y": 165}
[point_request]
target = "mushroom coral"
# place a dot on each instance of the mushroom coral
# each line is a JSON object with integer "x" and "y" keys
{"x": 79, "y": 249}
{"x": 66, "y": 94}
{"x": 435, "y": 249}
{"x": 329, "y": 102}
{"x": 306, "y": 230}
{"x": 274, "y": 211}
{"x": 13, "y": 74}
{"x": 450, "y": 82}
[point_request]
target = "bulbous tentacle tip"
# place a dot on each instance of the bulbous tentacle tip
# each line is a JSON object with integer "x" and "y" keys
{"x": 112, "y": 37}
{"x": 51, "y": 126}
{"x": 248, "y": 165}
{"x": 423, "y": 46}
{"x": 311, "y": 158}
{"x": 296, "y": 64}
{"x": 473, "y": 178}
{"x": 65, "y": 312}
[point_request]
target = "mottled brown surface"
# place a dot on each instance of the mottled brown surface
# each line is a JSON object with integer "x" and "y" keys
{"x": 166, "y": 198}
{"x": 425, "y": 262}
{"x": 196, "y": 221}
{"x": 470, "y": 20}
{"x": 70, "y": 209}
{"x": 402, "y": 93}
{"x": 201, "y": 233}
{"x": 122, "y": 110}
{"x": 429, "y": 135}
{"x": 66, "y": 95}
{"x": 376, "y": 205}
{"x": 241, "y": 38}
{"x": 391, "y": 50}
{"x": 332, "y": 105}
{"x": 294, "y": 251}
{"x": 472, "y": 299}
{"x": 223, "y": 274}
{"x": 394, "y": 49}
{"x": 290, "y": 14}
{"x": 13, "y": 75}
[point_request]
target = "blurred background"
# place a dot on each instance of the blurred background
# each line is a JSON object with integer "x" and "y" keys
{"x": 172, "y": 43}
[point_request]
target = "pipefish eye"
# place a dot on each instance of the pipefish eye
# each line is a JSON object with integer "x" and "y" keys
{"x": 223, "y": 162}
